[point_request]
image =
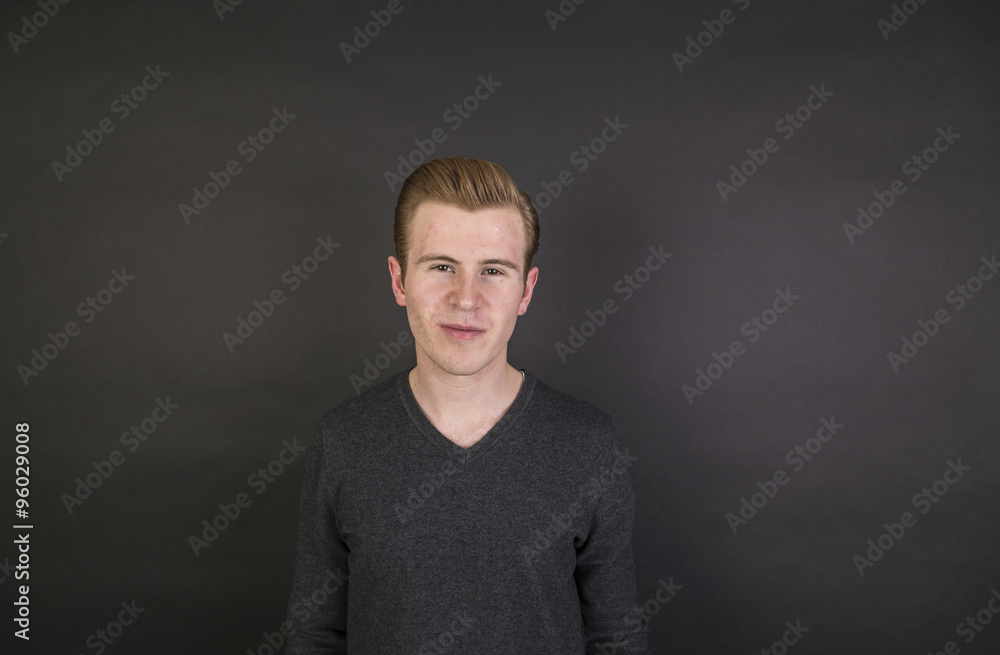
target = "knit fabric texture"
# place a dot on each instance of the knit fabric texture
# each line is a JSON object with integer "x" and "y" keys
{"x": 520, "y": 544}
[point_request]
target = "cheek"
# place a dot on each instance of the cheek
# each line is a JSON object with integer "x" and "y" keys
{"x": 513, "y": 299}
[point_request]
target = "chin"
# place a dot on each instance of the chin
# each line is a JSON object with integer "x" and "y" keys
{"x": 463, "y": 369}
{"x": 463, "y": 366}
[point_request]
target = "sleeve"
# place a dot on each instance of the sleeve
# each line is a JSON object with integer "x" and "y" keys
{"x": 605, "y": 564}
{"x": 317, "y": 607}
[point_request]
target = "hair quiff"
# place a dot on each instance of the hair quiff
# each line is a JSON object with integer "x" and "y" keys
{"x": 469, "y": 184}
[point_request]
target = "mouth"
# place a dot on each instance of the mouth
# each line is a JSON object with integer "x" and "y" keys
{"x": 465, "y": 332}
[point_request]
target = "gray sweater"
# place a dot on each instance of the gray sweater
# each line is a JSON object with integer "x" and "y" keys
{"x": 409, "y": 544}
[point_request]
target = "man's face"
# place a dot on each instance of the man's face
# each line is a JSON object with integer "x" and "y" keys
{"x": 464, "y": 286}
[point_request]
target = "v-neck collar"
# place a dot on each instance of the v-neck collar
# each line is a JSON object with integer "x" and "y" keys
{"x": 448, "y": 446}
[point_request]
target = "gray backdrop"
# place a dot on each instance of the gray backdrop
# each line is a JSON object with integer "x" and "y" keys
{"x": 806, "y": 376}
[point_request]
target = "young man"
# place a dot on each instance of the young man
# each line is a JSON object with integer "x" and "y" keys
{"x": 465, "y": 506}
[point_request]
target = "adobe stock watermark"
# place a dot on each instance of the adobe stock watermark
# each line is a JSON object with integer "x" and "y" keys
{"x": 796, "y": 458}
{"x": 972, "y": 625}
{"x": 557, "y": 524}
{"x": 787, "y": 126}
{"x": 898, "y": 17}
{"x": 454, "y": 116}
{"x": 259, "y": 480}
{"x": 562, "y": 12}
{"x": 293, "y": 278}
{"x": 642, "y": 615}
{"x": 923, "y": 500}
{"x": 714, "y": 28}
{"x": 29, "y": 27}
{"x": 789, "y": 638}
{"x": 22, "y": 606}
{"x": 913, "y": 168}
{"x": 581, "y": 158}
{"x": 445, "y": 641}
{"x": 223, "y": 7}
{"x": 87, "y": 310}
{"x": 301, "y": 611}
{"x": 626, "y": 287}
{"x": 132, "y": 439}
{"x": 122, "y": 107}
{"x": 753, "y": 328}
{"x": 363, "y": 35}
{"x": 958, "y": 297}
{"x": 373, "y": 370}
{"x": 249, "y": 148}
{"x": 101, "y": 639}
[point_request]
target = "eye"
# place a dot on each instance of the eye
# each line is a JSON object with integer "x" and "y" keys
{"x": 439, "y": 267}
{"x": 496, "y": 270}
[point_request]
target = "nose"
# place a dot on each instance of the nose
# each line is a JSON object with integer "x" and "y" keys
{"x": 466, "y": 293}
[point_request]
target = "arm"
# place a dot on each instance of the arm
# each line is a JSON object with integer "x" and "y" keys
{"x": 605, "y": 565}
{"x": 317, "y": 607}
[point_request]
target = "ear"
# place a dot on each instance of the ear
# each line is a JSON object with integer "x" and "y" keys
{"x": 395, "y": 272}
{"x": 529, "y": 286}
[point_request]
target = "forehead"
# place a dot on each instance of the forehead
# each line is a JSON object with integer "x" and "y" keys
{"x": 440, "y": 227}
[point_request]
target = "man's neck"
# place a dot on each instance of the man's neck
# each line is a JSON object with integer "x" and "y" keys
{"x": 467, "y": 399}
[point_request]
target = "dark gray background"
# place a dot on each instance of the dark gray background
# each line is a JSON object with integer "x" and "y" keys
{"x": 655, "y": 185}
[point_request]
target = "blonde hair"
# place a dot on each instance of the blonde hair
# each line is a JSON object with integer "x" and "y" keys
{"x": 469, "y": 184}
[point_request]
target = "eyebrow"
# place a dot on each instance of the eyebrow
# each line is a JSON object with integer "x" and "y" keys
{"x": 482, "y": 262}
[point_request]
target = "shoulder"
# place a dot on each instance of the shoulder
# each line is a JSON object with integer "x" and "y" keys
{"x": 579, "y": 423}
{"x": 569, "y": 410}
{"x": 369, "y": 412}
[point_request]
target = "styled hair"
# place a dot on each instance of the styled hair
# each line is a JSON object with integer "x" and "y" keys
{"x": 470, "y": 185}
